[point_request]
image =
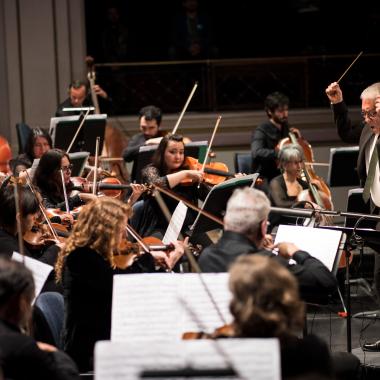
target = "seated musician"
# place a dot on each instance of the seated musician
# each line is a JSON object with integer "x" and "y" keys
{"x": 169, "y": 170}
{"x": 265, "y": 303}
{"x": 80, "y": 96}
{"x": 267, "y": 135}
{"x": 49, "y": 181}
{"x": 86, "y": 266}
{"x": 245, "y": 226}
{"x": 39, "y": 142}
{"x": 21, "y": 357}
{"x": 150, "y": 120}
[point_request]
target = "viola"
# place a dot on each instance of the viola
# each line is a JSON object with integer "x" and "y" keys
{"x": 214, "y": 172}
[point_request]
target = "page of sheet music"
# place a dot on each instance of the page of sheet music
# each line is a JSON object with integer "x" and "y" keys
{"x": 148, "y": 306}
{"x": 320, "y": 243}
{"x": 39, "y": 270}
{"x": 176, "y": 223}
{"x": 250, "y": 358}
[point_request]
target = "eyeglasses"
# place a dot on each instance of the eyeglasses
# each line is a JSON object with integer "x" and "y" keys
{"x": 370, "y": 114}
{"x": 67, "y": 168}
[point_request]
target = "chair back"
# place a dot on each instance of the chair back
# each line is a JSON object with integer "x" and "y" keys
{"x": 52, "y": 306}
{"x": 23, "y": 133}
{"x": 243, "y": 163}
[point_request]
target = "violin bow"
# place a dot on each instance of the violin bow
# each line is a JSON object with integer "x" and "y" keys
{"x": 64, "y": 192}
{"x": 349, "y": 67}
{"x": 184, "y": 108}
{"x": 18, "y": 220}
{"x": 40, "y": 205}
{"x": 210, "y": 143}
{"x": 78, "y": 129}
{"x": 189, "y": 204}
{"x": 94, "y": 189}
{"x": 190, "y": 257}
{"x": 137, "y": 237}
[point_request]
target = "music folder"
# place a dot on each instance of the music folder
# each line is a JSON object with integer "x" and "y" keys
{"x": 63, "y": 129}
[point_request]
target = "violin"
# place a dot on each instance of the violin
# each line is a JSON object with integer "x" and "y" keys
{"x": 225, "y": 331}
{"x": 319, "y": 194}
{"x": 128, "y": 251}
{"x": 109, "y": 186}
{"x": 214, "y": 172}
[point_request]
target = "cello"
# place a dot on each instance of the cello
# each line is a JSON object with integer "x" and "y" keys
{"x": 319, "y": 194}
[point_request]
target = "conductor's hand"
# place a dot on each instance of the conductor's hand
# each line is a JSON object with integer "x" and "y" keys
{"x": 286, "y": 250}
{"x": 334, "y": 93}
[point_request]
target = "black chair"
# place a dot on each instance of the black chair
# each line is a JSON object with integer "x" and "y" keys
{"x": 243, "y": 163}
{"x": 23, "y": 133}
{"x": 51, "y": 305}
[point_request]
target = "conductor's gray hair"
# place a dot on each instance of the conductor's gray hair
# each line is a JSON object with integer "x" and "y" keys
{"x": 246, "y": 209}
{"x": 371, "y": 92}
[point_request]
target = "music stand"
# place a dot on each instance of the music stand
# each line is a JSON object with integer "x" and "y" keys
{"x": 216, "y": 202}
{"x": 342, "y": 168}
{"x": 78, "y": 160}
{"x": 195, "y": 149}
{"x": 63, "y": 129}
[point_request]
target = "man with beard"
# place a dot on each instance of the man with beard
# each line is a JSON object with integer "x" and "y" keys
{"x": 267, "y": 135}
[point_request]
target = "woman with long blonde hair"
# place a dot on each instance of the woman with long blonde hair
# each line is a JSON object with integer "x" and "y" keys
{"x": 86, "y": 266}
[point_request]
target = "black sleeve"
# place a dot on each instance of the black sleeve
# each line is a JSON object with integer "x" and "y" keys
{"x": 131, "y": 152}
{"x": 348, "y": 132}
{"x": 44, "y": 365}
{"x": 313, "y": 276}
{"x": 278, "y": 194}
{"x": 258, "y": 146}
{"x": 74, "y": 201}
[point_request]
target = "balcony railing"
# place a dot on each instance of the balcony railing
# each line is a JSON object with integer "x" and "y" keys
{"x": 234, "y": 85}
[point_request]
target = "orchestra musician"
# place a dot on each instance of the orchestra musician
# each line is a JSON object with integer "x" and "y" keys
{"x": 150, "y": 118}
{"x": 245, "y": 227}
{"x": 169, "y": 170}
{"x": 366, "y": 134}
{"x": 22, "y": 357}
{"x": 266, "y": 304}
{"x": 49, "y": 181}
{"x": 38, "y": 142}
{"x": 267, "y": 135}
{"x": 80, "y": 96}
{"x": 86, "y": 267}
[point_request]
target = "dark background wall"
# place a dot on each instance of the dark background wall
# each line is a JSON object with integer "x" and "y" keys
{"x": 242, "y": 28}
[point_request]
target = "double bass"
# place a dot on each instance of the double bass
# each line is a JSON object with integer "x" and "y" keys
{"x": 115, "y": 140}
{"x": 5, "y": 155}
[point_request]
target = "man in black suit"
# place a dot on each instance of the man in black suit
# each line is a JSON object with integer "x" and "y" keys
{"x": 245, "y": 225}
{"x": 366, "y": 135}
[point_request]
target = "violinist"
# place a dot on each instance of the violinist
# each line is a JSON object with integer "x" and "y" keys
{"x": 266, "y": 304}
{"x": 169, "y": 170}
{"x": 38, "y": 142}
{"x": 86, "y": 268}
{"x": 245, "y": 227}
{"x": 49, "y": 181}
{"x": 267, "y": 135}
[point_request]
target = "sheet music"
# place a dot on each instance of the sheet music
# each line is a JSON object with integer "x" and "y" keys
{"x": 176, "y": 223}
{"x": 320, "y": 243}
{"x": 257, "y": 359}
{"x": 148, "y": 306}
{"x": 40, "y": 271}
